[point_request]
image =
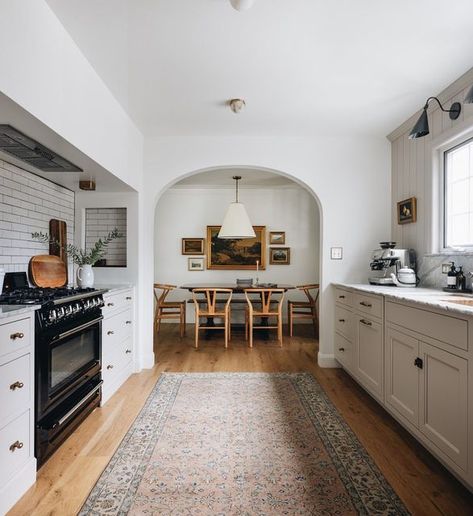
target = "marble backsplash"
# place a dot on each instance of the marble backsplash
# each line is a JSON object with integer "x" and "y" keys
{"x": 429, "y": 269}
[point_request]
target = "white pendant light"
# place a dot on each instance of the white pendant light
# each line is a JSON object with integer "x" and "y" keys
{"x": 236, "y": 223}
{"x": 242, "y": 5}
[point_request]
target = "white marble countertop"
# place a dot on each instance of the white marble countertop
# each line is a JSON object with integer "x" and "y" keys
{"x": 14, "y": 310}
{"x": 428, "y": 297}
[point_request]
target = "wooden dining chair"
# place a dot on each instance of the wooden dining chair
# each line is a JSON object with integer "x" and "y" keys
{"x": 168, "y": 309}
{"x": 212, "y": 303}
{"x": 265, "y": 303}
{"x": 305, "y": 309}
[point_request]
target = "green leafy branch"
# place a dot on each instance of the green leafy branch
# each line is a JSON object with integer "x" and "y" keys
{"x": 80, "y": 256}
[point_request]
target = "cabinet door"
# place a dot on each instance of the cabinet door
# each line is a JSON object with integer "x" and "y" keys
{"x": 402, "y": 376}
{"x": 443, "y": 401}
{"x": 369, "y": 354}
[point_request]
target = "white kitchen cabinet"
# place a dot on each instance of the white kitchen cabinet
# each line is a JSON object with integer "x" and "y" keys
{"x": 17, "y": 461}
{"x": 118, "y": 327}
{"x": 369, "y": 355}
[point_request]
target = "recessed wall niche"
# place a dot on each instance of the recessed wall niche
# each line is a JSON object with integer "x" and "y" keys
{"x": 98, "y": 224}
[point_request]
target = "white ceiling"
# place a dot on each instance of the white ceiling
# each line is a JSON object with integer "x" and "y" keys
{"x": 303, "y": 66}
{"x": 223, "y": 178}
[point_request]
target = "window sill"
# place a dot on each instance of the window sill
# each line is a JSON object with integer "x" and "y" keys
{"x": 449, "y": 253}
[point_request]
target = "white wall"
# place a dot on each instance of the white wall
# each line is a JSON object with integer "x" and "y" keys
{"x": 43, "y": 71}
{"x": 416, "y": 171}
{"x": 112, "y": 275}
{"x": 349, "y": 175}
{"x": 290, "y": 209}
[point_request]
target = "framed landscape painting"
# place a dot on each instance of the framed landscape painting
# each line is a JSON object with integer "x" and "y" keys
{"x": 280, "y": 256}
{"x": 192, "y": 246}
{"x": 238, "y": 254}
{"x": 277, "y": 237}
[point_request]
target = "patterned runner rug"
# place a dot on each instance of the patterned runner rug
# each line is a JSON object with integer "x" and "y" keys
{"x": 240, "y": 444}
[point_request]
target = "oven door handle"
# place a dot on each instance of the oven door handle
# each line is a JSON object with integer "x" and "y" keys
{"x": 78, "y": 328}
{"x": 67, "y": 415}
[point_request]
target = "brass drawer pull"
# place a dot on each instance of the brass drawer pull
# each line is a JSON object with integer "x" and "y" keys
{"x": 341, "y": 349}
{"x": 110, "y": 332}
{"x": 128, "y": 351}
{"x": 17, "y": 385}
{"x": 127, "y": 322}
{"x": 364, "y": 303}
{"x": 365, "y": 322}
{"x": 110, "y": 304}
{"x": 16, "y": 445}
{"x": 341, "y": 320}
{"x": 110, "y": 366}
{"x": 128, "y": 298}
{"x": 17, "y": 335}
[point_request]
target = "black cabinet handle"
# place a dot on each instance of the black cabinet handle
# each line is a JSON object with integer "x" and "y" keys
{"x": 418, "y": 362}
{"x": 364, "y": 303}
{"x": 341, "y": 320}
{"x": 341, "y": 297}
{"x": 341, "y": 349}
{"x": 365, "y": 322}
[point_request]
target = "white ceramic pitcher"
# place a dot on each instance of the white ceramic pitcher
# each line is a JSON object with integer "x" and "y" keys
{"x": 85, "y": 276}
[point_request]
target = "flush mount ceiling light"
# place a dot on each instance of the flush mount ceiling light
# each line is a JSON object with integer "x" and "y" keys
{"x": 421, "y": 128}
{"x": 236, "y": 223}
{"x": 236, "y": 105}
{"x": 242, "y": 5}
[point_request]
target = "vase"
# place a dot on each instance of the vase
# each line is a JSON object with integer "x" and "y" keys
{"x": 85, "y": 276}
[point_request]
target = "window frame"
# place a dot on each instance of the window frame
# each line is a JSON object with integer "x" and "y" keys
{"x": 466, "y": 249}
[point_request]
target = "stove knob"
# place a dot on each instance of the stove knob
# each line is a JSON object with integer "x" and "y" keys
{"x": 60, "y": 312}
{"x": 52, "y": 316}
{"x": 76, "y": 308}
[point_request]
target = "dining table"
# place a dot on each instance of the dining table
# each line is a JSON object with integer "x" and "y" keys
{"x": 237, "y": 289}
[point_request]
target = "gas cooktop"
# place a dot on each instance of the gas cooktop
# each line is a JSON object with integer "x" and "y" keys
{"x": 40, "y": 296}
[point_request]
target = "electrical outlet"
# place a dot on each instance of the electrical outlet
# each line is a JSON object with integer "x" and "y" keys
{"x": 446, "y": 267}
{"x": 336, "y": 253}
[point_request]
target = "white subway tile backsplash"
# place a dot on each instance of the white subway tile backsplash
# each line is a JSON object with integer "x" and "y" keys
{"x": 27, "y": 203}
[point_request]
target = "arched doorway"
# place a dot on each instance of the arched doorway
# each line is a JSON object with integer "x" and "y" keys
{"x": 274, "y": 199}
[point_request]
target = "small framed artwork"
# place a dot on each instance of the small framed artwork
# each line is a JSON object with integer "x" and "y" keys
{"x": 195, "y": 264}
{"x": 407, "y": 211}
{"x": 193, "y": 245}
{"x": 279, "y": 255}
{"x": 277, "y": 237}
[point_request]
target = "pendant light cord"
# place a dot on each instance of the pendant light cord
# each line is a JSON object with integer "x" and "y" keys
{"x": 237, "y": 178}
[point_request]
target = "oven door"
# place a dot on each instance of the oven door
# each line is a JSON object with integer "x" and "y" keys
{"x": 66, "y": 361}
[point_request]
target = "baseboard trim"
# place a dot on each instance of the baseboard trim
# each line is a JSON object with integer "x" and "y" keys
{"x": 327, "y": 360}
{"x": 147, "y": 361}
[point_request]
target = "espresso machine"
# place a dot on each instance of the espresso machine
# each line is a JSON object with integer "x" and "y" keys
{"x": 386, "y": 262}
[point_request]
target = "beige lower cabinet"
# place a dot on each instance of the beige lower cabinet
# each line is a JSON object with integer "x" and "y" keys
{"x": 443, "y": 403}
{"x": 402, "y": 376}
{"x": 369, "y": 354}
{"x": 414, "y": 360}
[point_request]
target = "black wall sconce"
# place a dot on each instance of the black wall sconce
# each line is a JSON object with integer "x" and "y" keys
{"x": 421, "y": 127}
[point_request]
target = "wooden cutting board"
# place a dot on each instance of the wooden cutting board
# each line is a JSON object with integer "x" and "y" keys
{"x": 47, "y": 271}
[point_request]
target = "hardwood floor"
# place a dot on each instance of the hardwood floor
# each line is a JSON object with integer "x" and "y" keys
{"x": 65, "y": 480}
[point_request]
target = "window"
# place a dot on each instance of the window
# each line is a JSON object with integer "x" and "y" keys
{"x": 458, "y": 200}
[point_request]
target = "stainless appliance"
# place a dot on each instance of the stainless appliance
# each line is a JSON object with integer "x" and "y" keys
{"x": 387, "y": 260}
{"x": 67, "y": 357}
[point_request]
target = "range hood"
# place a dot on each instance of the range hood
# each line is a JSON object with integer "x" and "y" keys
{"x": 26, "y": 149}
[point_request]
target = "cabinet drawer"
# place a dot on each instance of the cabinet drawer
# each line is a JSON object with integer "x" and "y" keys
{"x": 15, "y": 335}
{"x": 344, "y": 351}
{"x": 343, "y": 297}
{"x": 370, "y": 305}
{"x": 117, "y": 327}
{"x": 116, "y": 357}
{"x": 15, "y": 386}
{"x": 115, "y": 302}
{"x": 15, "y": 447}
{"x": 370, "y": 355}
{"x": 446, "y": 328}
{"x": 344, "y": 322}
